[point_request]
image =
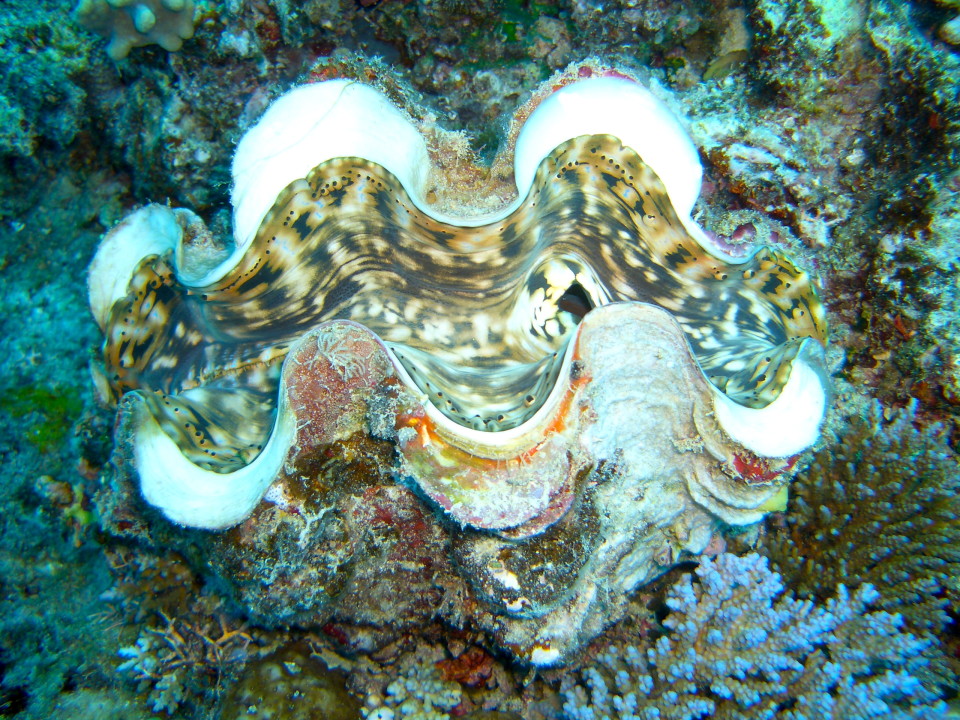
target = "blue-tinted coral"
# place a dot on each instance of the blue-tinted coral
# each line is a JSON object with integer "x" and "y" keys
{"x": 881, "y": 506}
{"x": 739, "y": 647}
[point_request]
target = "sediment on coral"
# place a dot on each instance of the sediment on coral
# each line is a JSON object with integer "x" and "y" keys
{"x": 880, "y": 506}
{"x": 738, "y": 646}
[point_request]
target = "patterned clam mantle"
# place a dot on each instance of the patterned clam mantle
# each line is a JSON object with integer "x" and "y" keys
{"x": 507, "y": 357}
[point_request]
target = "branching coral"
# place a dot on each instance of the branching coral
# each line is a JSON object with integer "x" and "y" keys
{"x": 421, "y": 694}
{"x": 163, "y": 658}
{"x": 739, "y": 648}
{"x": 881, "y": 507}
{"x": 132, "y": 23}
{"x": 188, "y": 647}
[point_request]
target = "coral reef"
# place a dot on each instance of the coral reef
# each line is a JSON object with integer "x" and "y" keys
{"x": 915, "y": 308}
{"x": 880, "y": 507}
{"x": 135, "y": 23}
{"x": 164, "y": 659}
{"x": 804, "y": 46}
{"x": 188, "y": 647}
{"x": 739, "y": 647}
{"x": 912, "y": 311}
{"x": 50, "y": 58}
{"x": 51, "y": 565}
{"x": 826, "y": 128}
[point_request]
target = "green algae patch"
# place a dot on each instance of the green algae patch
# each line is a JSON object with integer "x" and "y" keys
{"x": 49, "y": 412}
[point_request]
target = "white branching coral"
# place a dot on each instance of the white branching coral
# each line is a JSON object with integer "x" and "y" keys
{"x": 421, "y": 694}
{"x": 738, "y": 648}
{"x": 134, "y": 23}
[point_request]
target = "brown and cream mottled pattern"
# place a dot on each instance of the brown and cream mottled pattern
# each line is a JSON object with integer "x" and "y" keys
{"x": 479, "y": 317}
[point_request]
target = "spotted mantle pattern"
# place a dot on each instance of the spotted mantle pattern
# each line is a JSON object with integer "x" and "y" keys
{"x": 478, "y": 316}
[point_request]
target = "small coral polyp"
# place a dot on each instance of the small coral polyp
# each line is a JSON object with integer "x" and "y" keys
{"x": 586, "y": 335}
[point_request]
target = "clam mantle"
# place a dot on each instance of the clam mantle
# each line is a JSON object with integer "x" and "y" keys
{"x": 586, "y": 350}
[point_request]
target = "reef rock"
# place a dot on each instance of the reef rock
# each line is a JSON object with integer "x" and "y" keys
{"x": 389, "y": 412}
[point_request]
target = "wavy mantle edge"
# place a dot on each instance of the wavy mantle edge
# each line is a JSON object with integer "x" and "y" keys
{"x": 314, "y": 123}
{"x": 199, "y": 498}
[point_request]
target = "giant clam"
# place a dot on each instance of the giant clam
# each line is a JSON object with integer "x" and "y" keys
{"x": 584, "y": 340}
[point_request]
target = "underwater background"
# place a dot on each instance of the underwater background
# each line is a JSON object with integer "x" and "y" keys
{"x": 835, "y": 123}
